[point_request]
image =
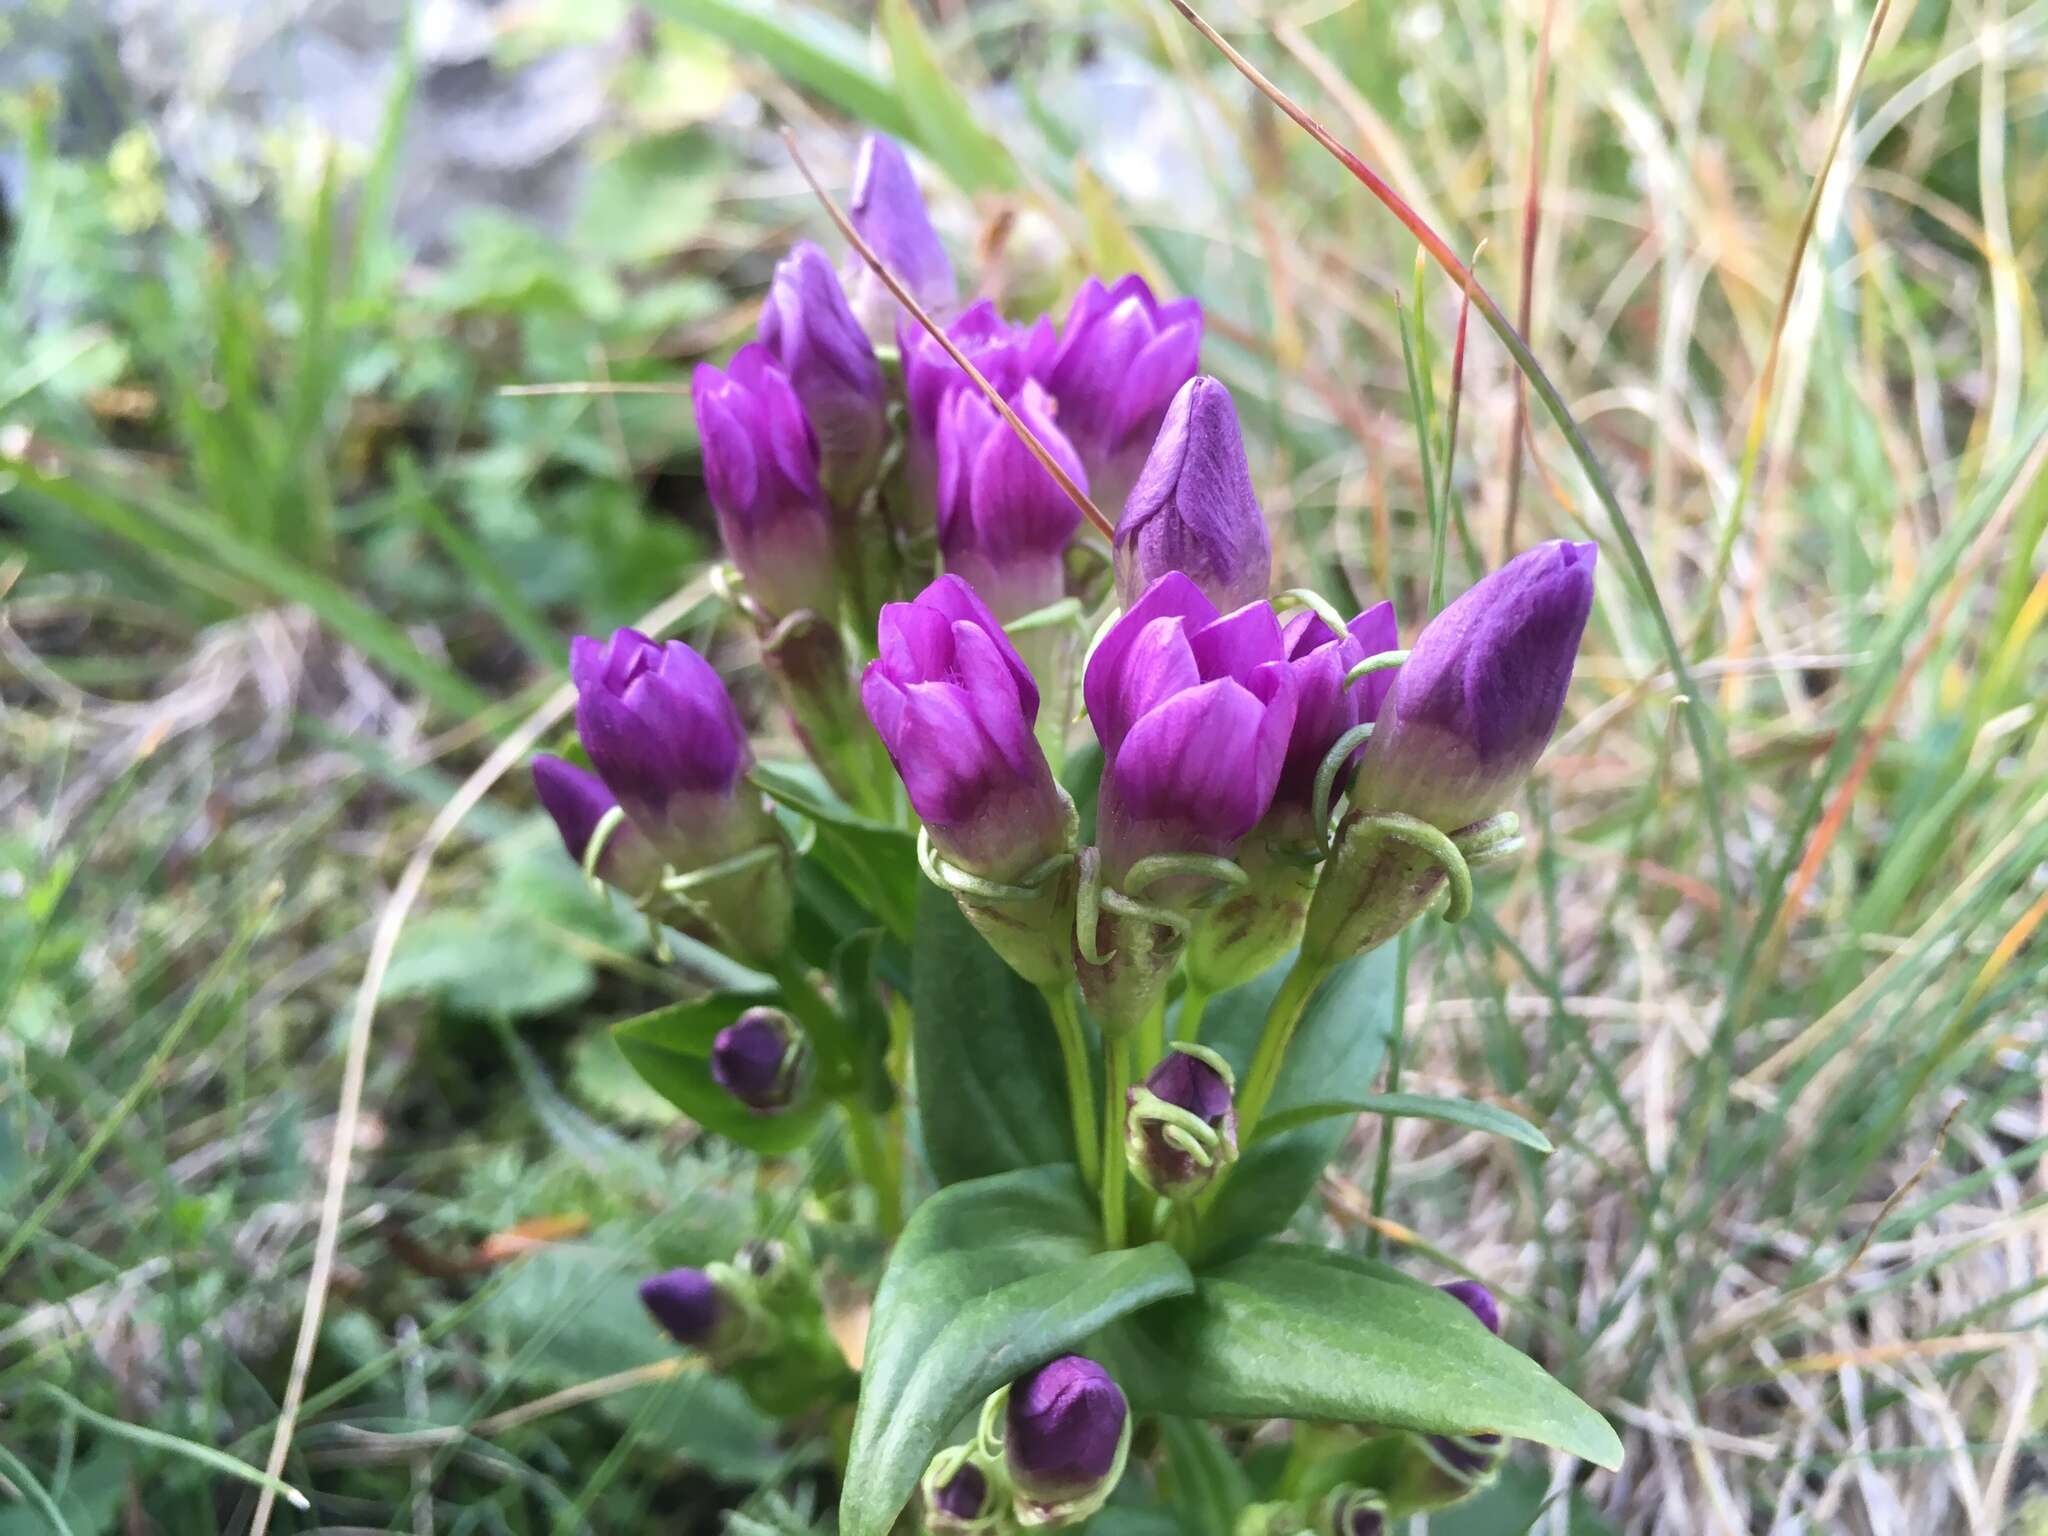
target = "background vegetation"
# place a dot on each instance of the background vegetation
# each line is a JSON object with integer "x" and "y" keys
{"x": 298, "y": 509}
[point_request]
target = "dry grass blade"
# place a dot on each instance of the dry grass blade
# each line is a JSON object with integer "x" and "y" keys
{"x": 937, "y": 332}
{"x": 390, "y": 924}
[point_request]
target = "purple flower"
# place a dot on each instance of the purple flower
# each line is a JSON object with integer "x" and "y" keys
{"x": 756, "y": 1057}
{"x": 810, "y": 331}
{"x": 955, "y": 706}
{"x": 761, "y": 469}
{"x": 1004, "y": 522}
{"x": 1065, "y": 1430}
{"x": 687, "y": 1304}
{"x": 1324, "y": 708}
{"x": 1122, "y": 357}
{"x": 958, "y": 1495}
{"x": 1353, "y": 1512}
{"x": 1193, "y": 508}
{"x": 664, "y": 736}
{"x": 891, "y": 216}
{"x": 577, "y": 799}
{"x": 1475, "y": 704}
{"x": 1194, "y": 712}
{"x": 966, "y": 1496}
{"x": 1005, "y": 354}
{"x": 1169, "y": 1157}
{"x": 1479, "y": 1299}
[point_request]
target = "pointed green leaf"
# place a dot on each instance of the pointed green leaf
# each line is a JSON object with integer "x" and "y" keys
{"x": 1417, "y": 1106}
{"x": 989, "y": 1280}
{"x": 876, "y": 864}
{"x": 991, "y": 1092}
{"x": 948, "y": 128}
{"x": 1290, "y": 1331}
{"x": 802, "y": 44}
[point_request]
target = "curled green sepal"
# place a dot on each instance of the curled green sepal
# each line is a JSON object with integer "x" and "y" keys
{"x": 730, "y": 588}
{"x": 1347, "y": 1508}
{"x": 1433, "y": 843}
{"x": 1189, "y": 1151}
{"x": 944, "y": 1467}
{"x": 952, "y": 878}
{"x": 1326, "y": 779}
{"x": 1066, "y": 611}
{"x": 1315, "y": 603}
{"x": 1486, "y": 842}
{"x": 600, "y": 835}
{"x": 1372, "y": 664}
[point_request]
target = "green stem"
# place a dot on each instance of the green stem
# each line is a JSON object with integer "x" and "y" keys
{"x": 1194, "y": 1002}
{"x": 820, "y": 1020}
{"x": 1150, "y": 1047}
{"x": 1257, "y": 1089}
{"x": 1116, "y": 1060}
{"x": 1383, "y": 1171}
{"x": 1066, "y": 1023}
{"x": 876, "y": 1167}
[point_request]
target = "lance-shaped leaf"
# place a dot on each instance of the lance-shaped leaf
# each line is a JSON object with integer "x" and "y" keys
{"x": 989, "y": 1279}
{"x": 1289, "y": 1331}
{"x": 671, "y": 1049}
{"x": 1415, "y": 1106}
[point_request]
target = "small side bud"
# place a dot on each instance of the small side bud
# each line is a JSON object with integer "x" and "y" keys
{"x": 962, "y": 1492}
{"x": 1479, "y": 1299}
{"x": 1352, "y": 1512}
{"x": 1180, "y": 1127}
{"x": 695, "y": 1310}
{"x": 759, "y": 1059}
{"x": 1067, "y": 1437}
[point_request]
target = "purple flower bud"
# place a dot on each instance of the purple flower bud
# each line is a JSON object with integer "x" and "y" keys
{"x": 1467, "y": 1457}
{"x": 1169, "y": 1156}
{"x": 1475, "y": 704}
{"x": 1193, "y": 508}
{"x": 890, "y": 214}
{"x": 959, "y": 1495}
{"x": 1352, "y": 1512}
{"x": 1004, "y": 522}
{"x": 955, "y": 706}
{"x": 809, "y": 330}
{"x": 756, "y": 1059}
{"x": 1122, "y": 357}
{"x": 687, "y": 1303}
{"x": 1065, "y": 1431}
{"x": 1325, "y": 709}
{"x": 1005, "y": 354}
{"x": 578, "y": 801}
{"x": 1479, "y": 1299}
{"x": 761, "y": 470}
{"x": 1194, "y": 712}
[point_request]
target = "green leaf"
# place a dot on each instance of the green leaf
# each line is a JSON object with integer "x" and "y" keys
{"x": 988, "y": 1280}
{"x": 991, "y": 1091}
{"x": 1295, "y": 1332}
{"x": 804, "y": 45}
{"x": 1335, "y": 1054}
{"x": 877, "y": 864}
{"x": 671, "y": 1049}
{"x": 650, "y": 199}
{"x": 487, "y": 965}
{"x": 948, "y": 128}
{"x": 1415, "y": 1106}
{"x": 1205, "y": 1485}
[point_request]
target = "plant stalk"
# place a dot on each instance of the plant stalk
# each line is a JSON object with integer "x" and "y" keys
{"x": 1066, "y": 1023}
{"x": 877, "y": 1168}
{"x": 1116, "y": 1059}
{"x": 1288, "y": 1007}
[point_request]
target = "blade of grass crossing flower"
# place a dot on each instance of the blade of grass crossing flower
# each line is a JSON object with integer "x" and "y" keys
{"x": 1701, "y": 725}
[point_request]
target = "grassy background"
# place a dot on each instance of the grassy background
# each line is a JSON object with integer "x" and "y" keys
{"x": 287, "y": 576}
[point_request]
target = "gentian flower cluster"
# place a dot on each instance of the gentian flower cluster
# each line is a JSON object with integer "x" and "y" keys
{"x": 1272, "y": 780}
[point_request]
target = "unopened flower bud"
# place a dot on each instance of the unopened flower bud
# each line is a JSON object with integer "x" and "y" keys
{"x": 1351, "y": 1511}
{"x": 663, "y": 735}
{"x": 693, "y": 1309}
{"x": 761, "y": 472}
{"x": 890, "y": 214}
{"x": 1006, "y": 355}
{"x": 758, "y": 1059}
{"x": 962, "y": 1492}
{"x": 1067, "y": 1436}
{"x": 1004, "y": 522}
{"x": 1123, "y": 355}
{"x": 1476, "y": 702}
{"x": 1478, "y": 1299}
{"x": 1180, "y": 1126}
{"x": 1193, "y": 508}
{"x": 808, "y": 328}
{"x": 582, "y": 808}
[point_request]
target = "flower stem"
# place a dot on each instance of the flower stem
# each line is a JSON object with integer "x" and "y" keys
{"x": 1281, "y": 1019}
{"x": 1066, "y": 1022}
{"x": 1193, "y": 1004}
{"x": 1116, "y": 1060}
{"x": 877, "y": 1168}
{"x": 1383, "y": 1171}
